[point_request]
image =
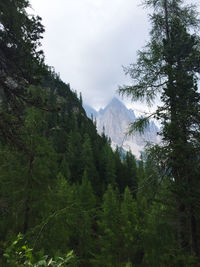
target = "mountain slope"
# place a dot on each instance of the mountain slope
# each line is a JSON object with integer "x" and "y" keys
{"x": 91, "y": 112}
{"x": 115, "y": 120}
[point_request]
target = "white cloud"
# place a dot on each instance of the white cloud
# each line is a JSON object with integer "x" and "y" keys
{"x": 87, "y": 41}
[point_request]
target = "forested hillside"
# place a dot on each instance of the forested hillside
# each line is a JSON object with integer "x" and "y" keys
{"x": 68, "y": 199}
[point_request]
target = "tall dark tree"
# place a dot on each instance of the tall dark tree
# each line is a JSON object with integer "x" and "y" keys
{"x": 20, "y": 36}
{"x": 109, "y": 224}
{"x": 21, "y": 63}
{"x": 168, "y": 66}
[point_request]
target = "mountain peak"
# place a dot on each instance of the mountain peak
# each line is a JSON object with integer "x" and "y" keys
{"x": 115, "y": 119}
{"x": 115, "y": 105}
{"x": 115, "y": 101}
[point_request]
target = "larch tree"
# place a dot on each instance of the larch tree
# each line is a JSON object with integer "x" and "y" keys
{"x": 168, "y": 66}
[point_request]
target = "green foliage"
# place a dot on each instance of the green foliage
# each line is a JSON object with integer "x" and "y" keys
{"x": 131, "y": 248}
{"x": 139, "y": 125}
{"x": 19, "y": 254}
{"x": 169, "y": 67}
{"x": 109, "y": 222}
{"x": 21, "y": 65}
{"x": 62, "y": 185}
{"x": 20, "y": 39}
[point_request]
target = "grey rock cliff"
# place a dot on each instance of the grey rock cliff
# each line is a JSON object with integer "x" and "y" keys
{"x": 115, "y": 118}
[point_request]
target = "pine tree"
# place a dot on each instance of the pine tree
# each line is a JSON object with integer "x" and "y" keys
{"x": 109, "y": 234}
{"x": 120, "y": 170}
{"x": 56, "y": 227}
{"x": 73, "y": 155}
{"x": 130, "y": 173}
{"x": 109, "y": 165}
{"x": 64, "y": 168}
{"x": 87, "y": 160}
{"x": 40, "y": 166}
{"x": 86, "y": 215}
{"x": 131, "y": 244}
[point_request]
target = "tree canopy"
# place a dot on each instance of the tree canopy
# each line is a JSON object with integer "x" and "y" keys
{"x": 169, "y": 66}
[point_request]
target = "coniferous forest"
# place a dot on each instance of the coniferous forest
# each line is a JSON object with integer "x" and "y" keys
{"x": 68, "y": 199}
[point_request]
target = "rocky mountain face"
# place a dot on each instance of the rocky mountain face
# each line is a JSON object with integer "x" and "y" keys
{"x": 115, "y": 120}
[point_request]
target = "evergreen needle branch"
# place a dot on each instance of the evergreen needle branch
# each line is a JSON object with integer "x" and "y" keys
{"x": 55, "y": 214}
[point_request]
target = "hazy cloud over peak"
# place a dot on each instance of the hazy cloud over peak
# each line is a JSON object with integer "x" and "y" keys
{"x": 88, "y": 41}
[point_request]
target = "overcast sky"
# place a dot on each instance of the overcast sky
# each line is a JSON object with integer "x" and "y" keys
{"x": 88, "y": 41}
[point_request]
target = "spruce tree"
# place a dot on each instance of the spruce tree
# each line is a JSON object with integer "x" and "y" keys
{"x": 130, "y": 246}
{"x": 87, "y": 160}
{"x": 130, "y": 173}
{"x": 86, "y": 211}
{"x": 109, "y": 234}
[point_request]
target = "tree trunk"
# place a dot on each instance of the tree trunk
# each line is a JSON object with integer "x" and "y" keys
{"x": 194, "y": 239}
{"x": 28, "y": 197}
